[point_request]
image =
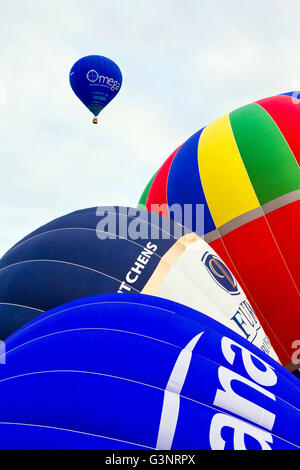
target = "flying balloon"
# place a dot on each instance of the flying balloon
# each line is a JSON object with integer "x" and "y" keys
{"x": 95, "y": 80}
{"x": 244, "y": 169}
{"x": 120, "y": 249}
{"x": 131, "y": 371}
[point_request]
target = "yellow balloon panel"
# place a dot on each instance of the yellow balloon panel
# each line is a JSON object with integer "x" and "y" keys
{"x": 229, "y": 192}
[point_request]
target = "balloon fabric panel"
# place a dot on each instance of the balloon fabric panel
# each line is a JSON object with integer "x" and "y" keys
{"x": 286, "y": 114}
{"x": 262, "y": 282}
{"x": 225, "y": 181}
{"x": 157, "y": 194}
{"x": 184, "y": 172}
{"x": 143, "y": 198}
{"x": 115, "y": 366}
{"x": 269, "y": 162}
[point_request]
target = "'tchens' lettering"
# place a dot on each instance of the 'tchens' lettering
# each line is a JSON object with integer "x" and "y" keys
{"x": 136, "y": 270}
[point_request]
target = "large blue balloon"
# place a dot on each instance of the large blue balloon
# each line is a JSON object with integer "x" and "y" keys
{"x": 295, "y": 94}
{"x": 96, "y": 80}
{"x": 132, "y": 371}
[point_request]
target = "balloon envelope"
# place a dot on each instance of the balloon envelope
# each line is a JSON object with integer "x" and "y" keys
{"x": 133, "y": 371}
{"x": 244, "y": 169}
{"x": 95, "y": 80}
{"x": 119, "y": 249}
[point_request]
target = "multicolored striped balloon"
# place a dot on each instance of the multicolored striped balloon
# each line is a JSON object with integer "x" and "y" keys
{"x": 244, "y": 169}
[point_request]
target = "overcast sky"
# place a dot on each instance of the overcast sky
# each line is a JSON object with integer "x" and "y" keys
{"x": 184, "y": 63}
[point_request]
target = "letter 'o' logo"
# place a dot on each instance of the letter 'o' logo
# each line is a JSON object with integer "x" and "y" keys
{"x": 220, "y": 273}
{"x": 92, "y": 76}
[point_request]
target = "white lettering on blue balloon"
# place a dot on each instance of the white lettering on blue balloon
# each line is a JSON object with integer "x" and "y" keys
{"x": 227, "y": 399}
{"x": 241, "y": 429}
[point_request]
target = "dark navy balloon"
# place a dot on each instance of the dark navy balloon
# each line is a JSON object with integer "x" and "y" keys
{"x": 96, "y": 80}
{"x": 130, "y": 371}
{"x": 13, "y": 315}
{"x": 66, "y": 259}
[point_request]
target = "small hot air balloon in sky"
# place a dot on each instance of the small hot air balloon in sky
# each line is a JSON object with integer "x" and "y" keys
{"x": 132, "y": 371}
{"x": 95, "y": 80}
{"x": 120, "y": 249}
{"x": 244, "y": 169}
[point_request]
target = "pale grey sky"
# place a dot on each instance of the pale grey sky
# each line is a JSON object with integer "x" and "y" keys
{"x": 184, "y": 63}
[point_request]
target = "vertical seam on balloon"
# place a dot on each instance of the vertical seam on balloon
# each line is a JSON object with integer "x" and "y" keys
{"x": 206, "y": 201}
{"x": 263, "y": 215}
{"x": 220, "y": 236}
{"x": 274, "y": 121}
{"x": 171, "y": 402}
{"x": 224, "y": 124}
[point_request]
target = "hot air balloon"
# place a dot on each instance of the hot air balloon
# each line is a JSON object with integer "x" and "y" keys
{"x": 131, "y": 371}
{"x": 294, "y": 94}
{"x": 244, "y": 169}
{"x": 96, "y": 80}
{"x": 120, "y": 249}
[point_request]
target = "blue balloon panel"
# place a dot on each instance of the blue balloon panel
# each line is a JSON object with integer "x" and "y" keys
{"x": 136, "y": 371}
{"x": 184, "y": 173}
